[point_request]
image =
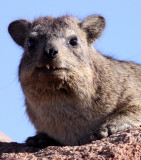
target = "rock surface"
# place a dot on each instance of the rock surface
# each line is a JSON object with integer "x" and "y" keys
{"x": 121, "y": 146}
{"x": 4, "y": 138}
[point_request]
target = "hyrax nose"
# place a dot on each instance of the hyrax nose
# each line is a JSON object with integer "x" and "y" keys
{"x": 51, "y": 53}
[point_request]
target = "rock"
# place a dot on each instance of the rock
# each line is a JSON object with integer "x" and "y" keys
{"x": 4, "y": 138}
{"x": 125, "y": 145}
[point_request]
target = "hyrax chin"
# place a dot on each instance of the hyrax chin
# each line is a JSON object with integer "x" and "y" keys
{"x": 73, "y": 94}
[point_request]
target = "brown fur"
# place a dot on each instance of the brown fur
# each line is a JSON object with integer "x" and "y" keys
{"x": 87, "y": 93}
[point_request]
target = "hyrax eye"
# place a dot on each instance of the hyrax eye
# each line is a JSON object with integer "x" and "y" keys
{"x": 31, "y": 43}
{"x": 73, "y": 41}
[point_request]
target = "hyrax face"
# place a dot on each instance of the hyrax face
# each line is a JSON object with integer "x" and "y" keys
{"x": 57, "y": 57}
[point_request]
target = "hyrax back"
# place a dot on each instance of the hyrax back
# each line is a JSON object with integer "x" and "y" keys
{"x": 72, "y": 92}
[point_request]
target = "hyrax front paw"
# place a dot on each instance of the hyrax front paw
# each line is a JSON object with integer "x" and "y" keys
{"x": 41, "y": 140}
{"x": 112, "y": 127}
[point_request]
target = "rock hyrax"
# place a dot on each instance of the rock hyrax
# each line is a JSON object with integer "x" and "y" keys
{"x": 72, "y": 92}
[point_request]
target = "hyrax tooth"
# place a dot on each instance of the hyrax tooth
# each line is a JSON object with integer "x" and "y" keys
{"x": 48, "y": 67}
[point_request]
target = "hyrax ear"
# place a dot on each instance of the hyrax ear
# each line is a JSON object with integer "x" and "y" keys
{"x": 93, "y": 26}
{"x": 19, "y": 30}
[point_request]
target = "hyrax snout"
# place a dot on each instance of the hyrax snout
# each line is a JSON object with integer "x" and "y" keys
{"x": 74, "y": 94}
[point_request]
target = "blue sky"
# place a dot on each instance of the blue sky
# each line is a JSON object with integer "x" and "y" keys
{"x": 121, "y": 39}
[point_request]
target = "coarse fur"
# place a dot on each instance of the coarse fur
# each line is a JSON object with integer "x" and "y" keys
{"x": 73, "y": 92}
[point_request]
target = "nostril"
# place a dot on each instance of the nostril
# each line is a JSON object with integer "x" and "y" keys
{"x": 51, "y": 53}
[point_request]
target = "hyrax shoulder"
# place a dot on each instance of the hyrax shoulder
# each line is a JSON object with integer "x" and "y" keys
{"x": 72, "y": 92}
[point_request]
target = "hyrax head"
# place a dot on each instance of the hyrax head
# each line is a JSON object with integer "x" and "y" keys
{"x": 57, "y": 55}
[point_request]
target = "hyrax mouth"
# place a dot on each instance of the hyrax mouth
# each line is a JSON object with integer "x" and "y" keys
{"x": 51, "y": 69}
{"x": 55, "y": 77}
